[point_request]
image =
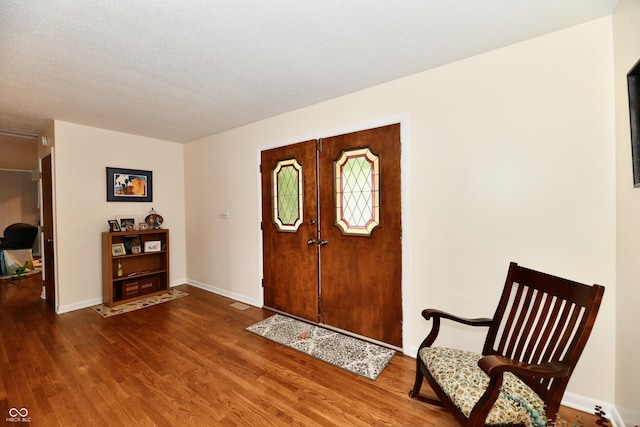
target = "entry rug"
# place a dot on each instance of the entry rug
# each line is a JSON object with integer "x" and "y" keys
{"x": 355, "y": 355}
{"x": 106, "y": 311}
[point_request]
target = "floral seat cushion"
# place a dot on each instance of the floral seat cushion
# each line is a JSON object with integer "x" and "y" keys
{"x": 458, "y": 374}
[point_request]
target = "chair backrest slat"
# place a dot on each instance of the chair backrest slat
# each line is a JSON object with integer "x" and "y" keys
{"x": 518, "y": 334}
{"x": 530, "y": 328}
{"x": 568, "y": 334}
{"x": 508, "y": 326}
{"x": 543, "y": 303}
{"x": 550, "y": 313}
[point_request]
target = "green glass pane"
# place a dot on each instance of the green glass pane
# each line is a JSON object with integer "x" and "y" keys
{"x": 288, "y": 197}
{"x": 357, "y": 191}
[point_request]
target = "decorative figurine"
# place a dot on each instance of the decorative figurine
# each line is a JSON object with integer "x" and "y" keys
{"x": 154, "y": 220}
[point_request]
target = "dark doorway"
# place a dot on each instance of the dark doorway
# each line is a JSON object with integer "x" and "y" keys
{"x": 47, "y": 231}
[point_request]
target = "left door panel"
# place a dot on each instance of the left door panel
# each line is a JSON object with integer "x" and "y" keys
{"x": 290, "y": 229}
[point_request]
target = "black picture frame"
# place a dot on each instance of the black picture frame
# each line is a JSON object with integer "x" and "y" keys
{"x": 113, "y": 225}
{"x": 633, "y": 87}
{"x": 130, "y": 242}
{"x": 129, "y": 185}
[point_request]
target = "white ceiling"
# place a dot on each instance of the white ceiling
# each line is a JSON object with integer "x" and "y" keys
{"x": 182, "y": 70}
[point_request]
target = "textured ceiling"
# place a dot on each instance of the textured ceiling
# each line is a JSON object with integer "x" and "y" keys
{"x": 182, "y": 70}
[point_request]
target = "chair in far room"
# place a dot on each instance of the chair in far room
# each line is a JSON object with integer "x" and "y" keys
{"x": 16, "y": 247}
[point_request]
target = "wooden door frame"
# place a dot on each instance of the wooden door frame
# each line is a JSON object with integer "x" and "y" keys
{"x": 403, "y": 120}
{"x": 51, "y": 154}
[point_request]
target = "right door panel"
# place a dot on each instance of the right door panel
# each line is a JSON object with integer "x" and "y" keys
{"x": 361, "y": 262}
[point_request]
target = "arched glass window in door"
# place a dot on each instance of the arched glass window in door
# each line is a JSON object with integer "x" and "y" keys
{"x": 357, "y": 187}
{"x": 287, "y": 195}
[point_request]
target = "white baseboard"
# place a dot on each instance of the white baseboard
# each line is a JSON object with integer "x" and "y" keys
{"x": 224, "y": 293}
{"x": 177, "y": 282}
{"x": 78, "y": 305}
{"x": 587, "y": 404}
{"x": 615, "y": 418}
{"x": 411, "y": 351}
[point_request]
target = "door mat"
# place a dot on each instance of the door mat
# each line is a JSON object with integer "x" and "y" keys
{"x": 106, "y": 311}
{"x": 354, "y": 355}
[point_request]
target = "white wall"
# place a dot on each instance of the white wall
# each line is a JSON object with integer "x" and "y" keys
{"x": 81, "y": 155}
{"x": 507, "y": 156}
{"x": 627, "y": 350}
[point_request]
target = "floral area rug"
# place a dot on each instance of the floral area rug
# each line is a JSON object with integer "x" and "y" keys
{"x": 355, "y": 355}
{"x": 106, "y": 311}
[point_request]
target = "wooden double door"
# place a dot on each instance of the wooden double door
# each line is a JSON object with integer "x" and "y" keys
{"x": 331, "y": 222}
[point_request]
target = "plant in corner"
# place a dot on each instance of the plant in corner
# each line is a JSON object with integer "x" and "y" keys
{"x": 20, "y": 271}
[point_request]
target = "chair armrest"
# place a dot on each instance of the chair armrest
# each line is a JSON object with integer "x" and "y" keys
{"x": 494, "y": 364}
{"x": 479, "y": 321}
{"x": 436, "y": 315}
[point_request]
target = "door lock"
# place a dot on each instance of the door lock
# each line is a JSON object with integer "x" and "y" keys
{"x": 314, "y": 241}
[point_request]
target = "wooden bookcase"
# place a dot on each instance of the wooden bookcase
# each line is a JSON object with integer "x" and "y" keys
{"x": 134, "y": 275}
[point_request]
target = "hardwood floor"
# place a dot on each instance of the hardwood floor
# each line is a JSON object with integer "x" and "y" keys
{"x": 185, "y": 362}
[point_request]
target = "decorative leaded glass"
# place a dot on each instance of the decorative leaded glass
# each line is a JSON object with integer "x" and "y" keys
{"x": 357, "y": 175}
{"x": 287, "y": 195}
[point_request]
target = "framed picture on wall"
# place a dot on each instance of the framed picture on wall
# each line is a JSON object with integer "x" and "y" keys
{"x": 129, "y": 185}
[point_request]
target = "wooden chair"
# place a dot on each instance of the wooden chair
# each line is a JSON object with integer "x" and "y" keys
{"x": 533, "y": 343}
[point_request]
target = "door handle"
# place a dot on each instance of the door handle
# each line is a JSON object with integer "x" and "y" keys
{"x": 311, "y": 241}
{"x": 322, "y": 242}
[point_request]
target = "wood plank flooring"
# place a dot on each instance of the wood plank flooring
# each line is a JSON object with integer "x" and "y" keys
{"x": 185, "y": 362}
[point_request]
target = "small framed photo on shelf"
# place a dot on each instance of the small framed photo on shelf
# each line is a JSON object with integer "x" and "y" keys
{"x": 113, "y": 225}
{"x": 117, "y": 249}
{"x": 143, "y": 226}
{"x": 152, "y": 246}
{"x": 127, "y": 222}
{"x": 136, "y": 249}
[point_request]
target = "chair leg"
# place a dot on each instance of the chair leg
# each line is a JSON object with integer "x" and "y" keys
{"x": 415, "y": 392}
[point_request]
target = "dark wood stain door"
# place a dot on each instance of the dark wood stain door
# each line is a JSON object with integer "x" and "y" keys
{"x": 290, "y": 258}
{"x": 361, "y": 276}
{"x": 47, "y": 230}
